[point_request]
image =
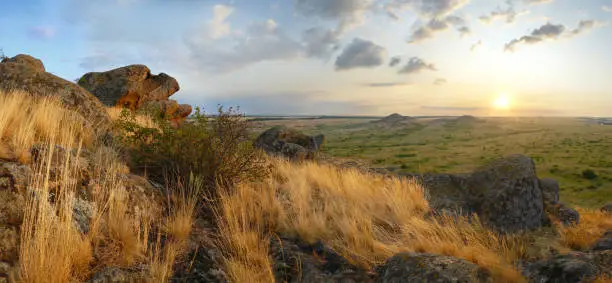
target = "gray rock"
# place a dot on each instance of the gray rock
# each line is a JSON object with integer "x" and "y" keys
{"x": 550, "y": 190}
{"x": 82, "y": 212}
{"x": 505, "y": 194}
{"x": 572, "y": 267}
{"x": 420, "y": 267}
{"x": 568, "y": 216}
{"x": 118, "y": 275}
{"x": 289, "y": 143}
{"x": 296, "y": 261}
{"x": 605, "y": 243}
{"x": 607, "y": 208}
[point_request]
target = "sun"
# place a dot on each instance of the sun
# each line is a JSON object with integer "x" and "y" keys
{"x": 503, "y": 101}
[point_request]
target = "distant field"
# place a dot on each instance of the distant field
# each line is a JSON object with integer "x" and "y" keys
{"x": 563, "y": 148}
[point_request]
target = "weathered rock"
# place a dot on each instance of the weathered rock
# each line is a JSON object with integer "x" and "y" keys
{"x": 566, "y": 215}
{"x": 130, "y": 86}
{"x": 607, "y": 208}
{"x": 26, "y": 61}
{"x": 27, "y": 74}
{"x": 118, "y": 275}
{"x": 82, "y": 212}
{"x": 295, "y": 261}
{"x": 446, "y": 192}
{"x": 506, "y": 194}
{"x": 289, "y": 143}
{"x": 420, "y": 267}
{"x": 9, "y": 243}
{"x": 605, "y": 243}
{"x": 170, "y": 110}
{"x": 13, "y": 176}
{"x": 550, "y": 190}
{"x": 5, "y": 269}
{"x": 573, "y": 267}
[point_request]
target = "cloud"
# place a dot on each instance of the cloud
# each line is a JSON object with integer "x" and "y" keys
{"x": 532, "y": 2}
{"x": 386, "y": 84}
{"x": 261, "y": 41}
{"x": 349, "y": 13}
{"x": 361, "y": 53}
{"x": 395, "y": 61}
{"x": 426, "y": 8}
{"x": 320, "y": 43}
{"x": 584, "y": 26}
{"x": 416, "y": 65}
{"x": 463, "y": 31}
{"x": 475, "y": 45}
{"x": 437, "y": 25}
{"x": 606, "y": 8}
{"x": 547, "y": 31}
{"x": 509, "y": 14}
{"x": 440, "y": 81}
{"x": 551, "y": 31}
{"x": 218, "y": 27}
{"x": 42, "y": 32}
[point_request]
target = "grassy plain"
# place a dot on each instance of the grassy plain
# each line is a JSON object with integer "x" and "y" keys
{"x": 562, "y": 148}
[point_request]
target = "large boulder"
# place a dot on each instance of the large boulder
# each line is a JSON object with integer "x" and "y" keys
{"x": 130, "y": 86}
{"x": 26, "y": 73}
{"x": 134, "y": 87}
{"x": 505, "y": 194}
{"x": 421, "y": 267}
{"x": 289, "y": 143}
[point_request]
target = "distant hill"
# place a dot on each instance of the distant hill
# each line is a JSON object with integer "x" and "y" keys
{"x": 396, "y": 120}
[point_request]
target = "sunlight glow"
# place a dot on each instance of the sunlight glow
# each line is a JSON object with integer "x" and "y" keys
{"x": 503, "y": 101}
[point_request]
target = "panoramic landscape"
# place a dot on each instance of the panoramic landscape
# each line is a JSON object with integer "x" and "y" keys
{"x": 305, "y": 141}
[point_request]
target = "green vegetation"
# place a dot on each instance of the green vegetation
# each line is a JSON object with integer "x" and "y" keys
{"x": 217, "y": 150}
{"x": 573, "y": 151}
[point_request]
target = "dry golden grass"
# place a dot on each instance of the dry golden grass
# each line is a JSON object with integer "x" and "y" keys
{"x": 51, "y": 248}
{"x": 593, "y": 224}
{"x": 183, "y": 203}
{"x": 603, "y": 279}
{"x": 26, "y": 120}
{"x": 365, "y": 218}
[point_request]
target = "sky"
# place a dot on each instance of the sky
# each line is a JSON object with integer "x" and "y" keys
{"x": 338, "y": 57}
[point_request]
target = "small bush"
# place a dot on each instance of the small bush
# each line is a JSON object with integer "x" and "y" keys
{"x": 589, "y": 174}
{"x": 217, "y": 149}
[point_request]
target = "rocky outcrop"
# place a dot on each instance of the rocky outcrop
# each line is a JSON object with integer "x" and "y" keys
{"x": 505, "y": 194}
{"x": 134, "y": 87}
{"x": 572, "y": 267}
{"x": 289, "y": 143}
{"x": 420, "y": 267}
{"x": 26, "y": 73}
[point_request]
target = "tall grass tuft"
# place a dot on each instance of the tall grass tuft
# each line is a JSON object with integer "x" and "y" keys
{"x": 365, "y": 218}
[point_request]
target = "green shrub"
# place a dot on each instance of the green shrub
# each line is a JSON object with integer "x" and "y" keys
{"x": 217, "y": 149}
{"x": 589, "y": 174}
